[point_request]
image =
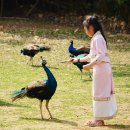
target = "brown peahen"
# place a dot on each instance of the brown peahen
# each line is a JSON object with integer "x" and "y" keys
{"x": 32, "y": 49}
{"x": 40, "y": 89}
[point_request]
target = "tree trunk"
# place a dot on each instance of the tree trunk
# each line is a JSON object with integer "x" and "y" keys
{"x": 2, "y": 7}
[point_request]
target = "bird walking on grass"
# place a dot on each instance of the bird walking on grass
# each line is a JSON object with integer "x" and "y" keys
{"x": 32, "y": 49}
{"x": 79, "y": 53}
{"x": 40, "y": 89}
{"x": 81, "y": 64}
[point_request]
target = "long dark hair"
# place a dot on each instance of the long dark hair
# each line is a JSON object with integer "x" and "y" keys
{"x": 95, "y": 22}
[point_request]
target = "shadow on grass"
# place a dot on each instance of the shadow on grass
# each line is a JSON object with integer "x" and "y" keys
{"x": 121, "y": 70}
{"x": 125, "y": 86}
{"x": 119, "y": 126}
{"x": 52, "y": 67}
{"x": 85, "y": 80}
{"x": 121, "y": 73}
{"x": 53, "y": 120}
{"x": 85, "y": 76}
{"x": 39, "y": 66}
{"x": 3, "y": 103}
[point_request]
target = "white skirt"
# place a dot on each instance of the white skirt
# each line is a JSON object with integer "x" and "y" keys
{"x": 103, "y": 110}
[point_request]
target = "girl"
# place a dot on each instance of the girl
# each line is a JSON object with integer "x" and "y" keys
{"x": 104, "y": 105}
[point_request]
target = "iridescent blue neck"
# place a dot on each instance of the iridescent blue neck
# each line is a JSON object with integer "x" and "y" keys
{"x": 51, "y": 82}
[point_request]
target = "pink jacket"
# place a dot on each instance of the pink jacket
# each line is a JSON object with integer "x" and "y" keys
{"x": 98, "y": 49}
{"x": 102, "y": 77}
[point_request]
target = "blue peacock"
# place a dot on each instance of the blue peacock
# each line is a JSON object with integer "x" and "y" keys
{"x": 40, "y": 89}
{"x": 79, "y": 53}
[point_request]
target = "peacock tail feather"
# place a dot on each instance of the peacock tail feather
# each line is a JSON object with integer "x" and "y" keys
{"x": 17, "y": 94}
{"x": 44, "y": 48}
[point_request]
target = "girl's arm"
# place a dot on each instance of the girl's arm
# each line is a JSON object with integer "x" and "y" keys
{"x": 84, "y": 59}
{"x": 100, "y": 47}
{"x": 90, "y": 65}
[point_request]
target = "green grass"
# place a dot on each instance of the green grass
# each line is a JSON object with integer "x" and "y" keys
{"x": 72, "y": 103}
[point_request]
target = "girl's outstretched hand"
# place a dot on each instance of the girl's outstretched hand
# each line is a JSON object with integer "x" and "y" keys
{"x": 72, "y": 60}
{"x": 87, "y": 67}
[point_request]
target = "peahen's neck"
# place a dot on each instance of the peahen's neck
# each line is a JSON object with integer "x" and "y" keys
{"x": 51, "y": 82}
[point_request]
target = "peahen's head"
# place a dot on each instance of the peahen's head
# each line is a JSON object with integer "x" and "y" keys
{"x": 21, "y": 51}
{"x": 43, "y": 61}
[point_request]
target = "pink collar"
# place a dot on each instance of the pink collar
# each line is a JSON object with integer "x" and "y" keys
{"x": 97, "y": 33}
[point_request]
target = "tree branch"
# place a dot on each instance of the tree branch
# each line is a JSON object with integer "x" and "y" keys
{"x": 30, "y": 11}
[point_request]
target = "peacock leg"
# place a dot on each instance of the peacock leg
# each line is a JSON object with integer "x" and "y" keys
{"x": 28, "y": 61}
{"x": 81, "y": 74}
{"x": 31, "y": 59}
{"x": 47, "y": 103}
{"x": 41, "y": 109}
{"x": 90, "y": 75}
